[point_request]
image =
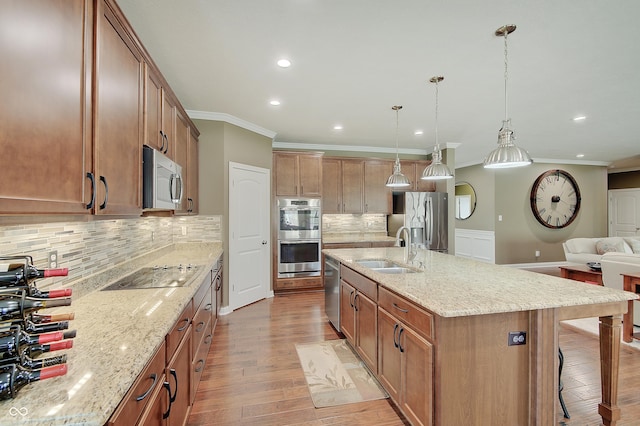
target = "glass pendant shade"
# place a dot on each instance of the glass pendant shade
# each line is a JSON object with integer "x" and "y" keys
{"x": 397, "y": 179}
{"x": 436, "y": 170}
{"x": 507, "y": 154}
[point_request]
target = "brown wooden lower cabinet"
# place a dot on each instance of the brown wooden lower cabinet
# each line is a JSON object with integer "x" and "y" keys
{"x": 297, "y": 284}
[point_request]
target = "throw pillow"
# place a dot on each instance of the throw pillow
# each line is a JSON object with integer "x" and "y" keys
{"x": 607, "y": 245}
{"x": 634, "y": 243}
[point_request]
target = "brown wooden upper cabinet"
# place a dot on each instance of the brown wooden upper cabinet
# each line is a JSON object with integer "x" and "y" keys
{"x": 186, "y": 155}
{"x": 356, "y": 186}
{"x": 46, "y": 148}
{"x": 193, "y": 169}
{"x": 298, "y": 174}
{"x": 160, "y": 115}
{"x": 413, "y": 170}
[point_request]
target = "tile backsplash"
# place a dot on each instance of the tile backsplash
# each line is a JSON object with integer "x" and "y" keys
{"x": 354, "y": 223}
{"x": 87, "y": 247}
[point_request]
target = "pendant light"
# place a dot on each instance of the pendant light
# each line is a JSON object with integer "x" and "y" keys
{"x": 436, "y": 170}
{"x": 397, "y": 179}
{"x": 507, "y": 154}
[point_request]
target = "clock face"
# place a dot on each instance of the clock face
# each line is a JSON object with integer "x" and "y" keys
{"x": 555, "y": 199}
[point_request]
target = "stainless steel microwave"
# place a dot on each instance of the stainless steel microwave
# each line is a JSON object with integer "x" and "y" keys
{"x": 161, "y": 181}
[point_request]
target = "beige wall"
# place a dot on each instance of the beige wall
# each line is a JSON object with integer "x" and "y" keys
{"x": 517, "y": 237}
{"x": 220, "y": 143}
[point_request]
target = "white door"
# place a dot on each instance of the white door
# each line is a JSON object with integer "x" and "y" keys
{"x": 624, "y": 212}
{"x": 249, "y": 246}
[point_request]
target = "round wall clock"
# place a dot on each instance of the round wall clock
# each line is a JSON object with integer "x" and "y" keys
{"x": 555, "y": 199}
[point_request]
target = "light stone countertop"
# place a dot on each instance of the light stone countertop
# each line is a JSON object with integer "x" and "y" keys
{"x": 452, "y": 286}
{"x": 117, "y": 333}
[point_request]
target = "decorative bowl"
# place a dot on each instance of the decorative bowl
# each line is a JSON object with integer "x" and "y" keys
{"x": 595, "y": 266}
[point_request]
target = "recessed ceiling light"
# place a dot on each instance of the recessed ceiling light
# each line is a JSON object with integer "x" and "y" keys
{"x": 337, "y": 127}
{"x": 274, "y": 102}
{"x": 284, "y": 63}
{"x": 579, "y": 155}
{"x": 580, "y": 118}
{"x": 418, "y": 132}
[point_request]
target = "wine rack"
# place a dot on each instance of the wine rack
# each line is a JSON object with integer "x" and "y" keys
{"x": 26, "y": 332}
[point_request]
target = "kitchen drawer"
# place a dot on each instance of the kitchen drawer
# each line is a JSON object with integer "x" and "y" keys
{"x": 199, "y": 360}
{"x": 140, "y": 393}
{"x": 360, "y": 282}
{"x": 205, "y": 285}
{"x": 406, "y": 311}
{"x": 202, "y": 320}
{"x": 291, "y": 284}
{"x": 179, "y": 330}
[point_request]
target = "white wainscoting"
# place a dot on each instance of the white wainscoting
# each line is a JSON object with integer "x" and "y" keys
{"x": 476, "y": 244}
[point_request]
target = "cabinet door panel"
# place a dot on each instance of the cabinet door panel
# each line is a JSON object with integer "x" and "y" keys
{"x": 347, "y": 314}
{"x": 286, "y": 172}
{"x": 417, "y": 375}
{"x": 193, "y": 180}
{"x": 367, "y": 330}
{"x": 45, "y": 116}
{"x": 179, "y": 378}
{"x": 169, "y": 125}
{"x": 310, "y": 170}
{"x": 181, "y": 157}
{"x": 377, "y": 197}
{"x": 118, "y": 116}
{"x": 389, "y": 371}
{"x": 153, "y": 109}
{"x": 331, "y": 186}
{"x": 352, "y": 186}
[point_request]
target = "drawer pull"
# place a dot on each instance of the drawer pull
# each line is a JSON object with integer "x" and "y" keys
{"x": 406, "y": 311}
{"x": 175, "y": 393}
{"x": 207, "y": 307}
{"x": 400, "y": 337}
{"x": 200, "y": 366}
{"x": 168, "y": 388}
{"x": 200, "y": 327}
{"x": 207, "y": 340}
{"x": 395, "y": 330}
{"x": 186, "y": 324}
{"x": 154, "y": 378}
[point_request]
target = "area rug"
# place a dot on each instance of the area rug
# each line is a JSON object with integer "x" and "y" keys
{"x": 335, "y": 374}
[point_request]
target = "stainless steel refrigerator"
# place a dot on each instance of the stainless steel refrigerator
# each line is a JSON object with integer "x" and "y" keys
{"x": 425, "y": 214}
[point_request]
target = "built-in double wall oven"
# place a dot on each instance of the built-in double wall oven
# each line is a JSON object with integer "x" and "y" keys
{"x": 299, "y": 237}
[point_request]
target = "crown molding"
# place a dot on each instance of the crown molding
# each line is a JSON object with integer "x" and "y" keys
{"x": 547, "y": 161}
{"x": 231, "y": 119}
{"x": 354, "y": 148}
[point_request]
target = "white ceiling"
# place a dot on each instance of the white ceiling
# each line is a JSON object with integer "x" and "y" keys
{"x": 352, "y": 60}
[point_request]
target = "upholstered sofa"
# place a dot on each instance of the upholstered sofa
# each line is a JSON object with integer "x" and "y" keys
{"x": 617, "y": 255}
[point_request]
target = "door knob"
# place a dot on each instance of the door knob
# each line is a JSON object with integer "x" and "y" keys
{"x": 264, "y": 242}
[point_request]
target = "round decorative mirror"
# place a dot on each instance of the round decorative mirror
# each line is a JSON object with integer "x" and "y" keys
{"x": 465, "y": 200}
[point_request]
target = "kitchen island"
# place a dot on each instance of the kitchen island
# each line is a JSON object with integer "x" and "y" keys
{"x": 118, "y": 332}
{"x": 460, "y": 317}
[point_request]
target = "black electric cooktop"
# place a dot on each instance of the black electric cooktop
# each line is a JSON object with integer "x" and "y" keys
{"x": 156, "y": 277}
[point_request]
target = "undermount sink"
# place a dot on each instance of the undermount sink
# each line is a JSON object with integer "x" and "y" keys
{"x": 385, "y": 266}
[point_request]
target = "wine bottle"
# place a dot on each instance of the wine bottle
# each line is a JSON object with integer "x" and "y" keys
{"x": 41, "y": 319}
{"x": 33, "y": 364}
{"x": 32, "y": 328}
{"x": 18, "y": 307}
{"x": 33, "y": 351}
{"x": 22, "y": 274}
{"x": 10, "y": 342}
{"x": 16, "y": 378}
{"x": 33, "y": 291}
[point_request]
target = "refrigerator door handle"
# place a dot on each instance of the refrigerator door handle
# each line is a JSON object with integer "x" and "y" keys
{"x": 429, "y": 219}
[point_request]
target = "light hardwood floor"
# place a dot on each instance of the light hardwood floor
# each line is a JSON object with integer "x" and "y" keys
{"x": 253, "y": 376}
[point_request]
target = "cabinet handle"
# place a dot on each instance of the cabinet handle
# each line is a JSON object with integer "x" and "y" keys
{"x": 219, "y": 282}
{"x": 167, "y": 147}
{"x": 400, "y": 337}
{"x": 175, "y": 393}
{"x": 106, "y": 193}
{"x": 355, "y": 304}
{"x": 200, "y": 327}
{"x": 93, "y": 190}
{"x": 190, "y": 201}
{"x": 207, "y": 307}
{"x": 186, "y": 321}
{"x": 208, "y": 339}
{"x": 400, "y": 309}
{"x": 168, "y": 388}
{"x": 162, "y": 138}
{"x": 199, "y": 366}
{"x": 351, "y": 300}
{"x": 395, "y": 330}
{"x": 154, "y": 378}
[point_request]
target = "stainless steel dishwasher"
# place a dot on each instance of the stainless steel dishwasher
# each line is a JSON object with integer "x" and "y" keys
{"x": 332, "y": 291}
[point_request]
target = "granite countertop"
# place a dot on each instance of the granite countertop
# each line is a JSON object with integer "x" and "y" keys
{"x": 452, "y": 286}
{"x": 117, "y": 333}
{"x": 355, "y": 237}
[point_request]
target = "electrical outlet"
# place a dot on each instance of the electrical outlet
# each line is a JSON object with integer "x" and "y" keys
{"x": 517, "y": 338}
{"x": 53, "y": 259}
{"x": 537, "y": 253}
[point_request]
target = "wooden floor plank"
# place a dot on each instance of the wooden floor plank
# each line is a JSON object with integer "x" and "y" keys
{"x": 253, "y": 377}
